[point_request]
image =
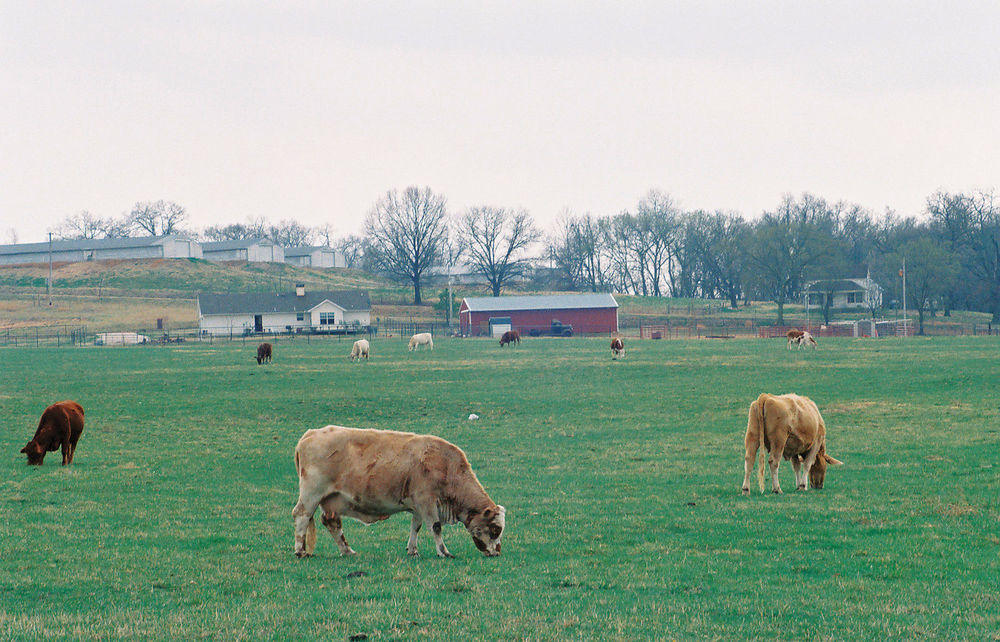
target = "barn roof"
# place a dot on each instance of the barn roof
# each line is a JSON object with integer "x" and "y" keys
{"x": 263, "y": 302}
{"x": 542, "y": 302}
{"x": 839, "y": 285}
{"x": 237, "y": 244}
{"x": 86, "y": 244}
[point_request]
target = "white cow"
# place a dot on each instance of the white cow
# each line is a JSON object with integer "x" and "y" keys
{"x": 359, "y": 350}
{"x": 422, "y": 339}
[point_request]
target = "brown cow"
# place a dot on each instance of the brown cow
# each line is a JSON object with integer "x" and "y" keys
{"x": 793, "y": 336}
{"x": 617, "y": 348}
{"x": 264, "y": 353}
{"x": 60, "y": 426}
{"x": 511, "y": 337}
{"x": 372, "y": 474}
{"x": 786, "y": 426}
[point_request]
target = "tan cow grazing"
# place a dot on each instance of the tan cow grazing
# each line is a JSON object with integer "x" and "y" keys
{"x": 786, "y": 426}
{"x": 372, "y": 474}
{"x": 617, "y": 348}
{"x": 793, "y": 337}
{"x": 422, "y": 339}
{"x": 264, "y": 353}
{"x": 359, "y": 350}
{"x": 60, "y": 426}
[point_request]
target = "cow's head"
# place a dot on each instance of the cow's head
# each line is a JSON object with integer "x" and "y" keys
{"x": 486, "y": 529}
{"x": 818, "y": 471}
{"x": 35, "y": 453}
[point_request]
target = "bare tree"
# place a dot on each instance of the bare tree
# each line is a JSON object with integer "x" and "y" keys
{"x": 407, "y": 233}
{"x": 11, "y": 236}
{"x": 289, "y": 233}
{"x": 82, "y": 225}
{"x": 231, "y": 232}
{"x": 324, "y": 234}
{"x": 495, "y": 239}
{"x": 157, "y": 218}
{"x": 352, "y": 248}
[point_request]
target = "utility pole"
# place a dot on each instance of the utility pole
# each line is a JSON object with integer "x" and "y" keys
{"x": 902, "y": 273}
{"x": 49, "y": 285}
{"x": 449, "y": 300}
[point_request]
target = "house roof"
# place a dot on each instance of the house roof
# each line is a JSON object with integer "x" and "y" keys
{"x": 264, "y": 302}
{"x": 839, "y": 285}
{"x": 70, "y": 245}
{"x": 237, "y": 244}
{"x": 542, "y": 302}
{"x": 304, "y": 250}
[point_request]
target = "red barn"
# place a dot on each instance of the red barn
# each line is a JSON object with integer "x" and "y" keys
{"x": 533, "y": 315}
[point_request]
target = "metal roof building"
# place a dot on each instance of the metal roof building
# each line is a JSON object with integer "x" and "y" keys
{"x": 323, "y": 311}
{"x": 587, "y": 313}
{"x": 77, "y": 250}
{"x": 251, "y": 250}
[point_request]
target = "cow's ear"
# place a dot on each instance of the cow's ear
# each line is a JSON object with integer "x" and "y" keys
{"x": 830, "y": 460}
{"x": 25, "y": 450}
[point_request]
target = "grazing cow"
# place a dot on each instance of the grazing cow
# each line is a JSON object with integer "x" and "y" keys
{"x": 786, "y": 426}
{"x": 793, "y": 337}
{"x": 372, "y": 474}
{"x": 617, "y": 348}
{"x": 60, "y": 426}
{"x": 510, "y": 336}
{"x": 806, "y": 339}
{"x": 422, "y": 339}
{"x": 359, "y": 350}
{"x": 264, "y": 353}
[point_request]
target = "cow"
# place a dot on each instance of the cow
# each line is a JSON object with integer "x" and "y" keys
{"x": 617, "y": 348}
{"x": 372, "y": 474}
{"x": 264, "y": 353}
{"x": 421, "y": 339}
{"x": 359, "y": 350}
{"x": 786, "y": 426}
{"x": 510, "y": 336}
{"x": 60, "y": 426}
{"x": 806, "y": 339}
{"x": 793, "y": 336}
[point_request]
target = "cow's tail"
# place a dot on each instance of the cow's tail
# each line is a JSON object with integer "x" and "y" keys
{"x": 761, "y": 451}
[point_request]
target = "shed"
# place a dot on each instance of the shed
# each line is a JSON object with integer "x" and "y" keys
{"x": 250, "y": 250}
{"x": 317, "y": 257}
{"x": 78, "y": 250}
{"x": 587, "y": 313}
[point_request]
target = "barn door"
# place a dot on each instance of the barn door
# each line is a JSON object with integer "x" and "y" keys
{"x": 258, "y": 323}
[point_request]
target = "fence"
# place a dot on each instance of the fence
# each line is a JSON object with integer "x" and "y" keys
{"x": 59, "y": 335}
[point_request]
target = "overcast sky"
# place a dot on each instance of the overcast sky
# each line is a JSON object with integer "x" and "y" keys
{"x": 312, "y": 110}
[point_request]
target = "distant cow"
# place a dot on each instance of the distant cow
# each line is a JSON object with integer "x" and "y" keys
{"x": 264, "y": 353}
{"x": 359, "y": 350}
{"x": 372, "y": 474}
{"x": 786, "y": 426}
{"x": 617, "y": 348}
{"x": 422, "y": 339}
{"x": 510, "y": 336}
{"x": 60, "y": 426}
{"x": 793, "y": 336}
{"x": 807, "y": 339}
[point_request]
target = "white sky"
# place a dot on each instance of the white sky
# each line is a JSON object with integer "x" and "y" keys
{"x": 312, "y": 110}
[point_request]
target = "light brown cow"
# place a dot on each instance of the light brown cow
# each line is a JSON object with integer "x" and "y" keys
{"x": 617, "y": 348}
{"x": 372, "y": 474}
{"x": 786, "y": 426}
{"x": 360, "y": 349}
{"x": 793, "y": 336}
{"x": 807, "y": 339}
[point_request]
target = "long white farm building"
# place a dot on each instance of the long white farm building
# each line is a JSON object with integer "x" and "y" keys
{"x": 77, "y": 250}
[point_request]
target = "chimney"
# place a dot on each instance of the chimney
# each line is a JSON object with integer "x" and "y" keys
{"x": 300, "y": 289}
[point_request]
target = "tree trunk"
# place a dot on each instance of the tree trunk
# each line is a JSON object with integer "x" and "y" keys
{"x": 495, "y": 286}
{"x": 416, "y": 292}
{"x": 781, "y": 312}
{"x": 920, "y": 317}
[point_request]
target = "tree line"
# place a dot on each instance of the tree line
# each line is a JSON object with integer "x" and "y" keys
{"x": 951, "y": 251}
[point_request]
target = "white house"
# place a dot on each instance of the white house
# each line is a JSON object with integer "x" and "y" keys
{"x": 300, "y": 311}
{"x": 78, "y": 250}
{"x": 251, "y": 250}
{"x": 844, "y": 293}
{"x": 314, "y": 256}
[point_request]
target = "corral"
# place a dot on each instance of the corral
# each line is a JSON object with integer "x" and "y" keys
{"x": 621, "y": 483}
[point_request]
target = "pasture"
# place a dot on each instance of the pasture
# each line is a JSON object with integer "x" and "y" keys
{"x": 620, "y": 479}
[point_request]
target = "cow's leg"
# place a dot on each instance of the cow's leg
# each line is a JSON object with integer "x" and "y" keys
{"x": 774, "y": 458}
{"x": 810, "y": 459}
{"x": 333, "y": 524}
{"x": 66, "y": 458}
{"x": 748, "y": 461}
{"x": 434, "y": 521}
{"x": 411, "y": 545}
{"x": 305, "y": 528}
{"x": 800, "y": 479}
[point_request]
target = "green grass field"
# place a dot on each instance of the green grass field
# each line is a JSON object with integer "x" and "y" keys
{"x": 621, "y": 482}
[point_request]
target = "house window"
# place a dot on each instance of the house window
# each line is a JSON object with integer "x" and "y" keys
{"x": 327, "y": 318}
{"x": 300, "y": 316}
{"x": 854, "y": 297}
{"x": 815, "y": 299}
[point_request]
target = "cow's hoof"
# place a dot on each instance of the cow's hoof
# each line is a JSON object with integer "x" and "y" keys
{"x": 777, "y": 491}
{"x": 413, "y": 553}
{"x": 745, "y": 491}
{"x": 802, "y": 487}
{"x": 348, "y": 552}
{"x": 302, "y": 554}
